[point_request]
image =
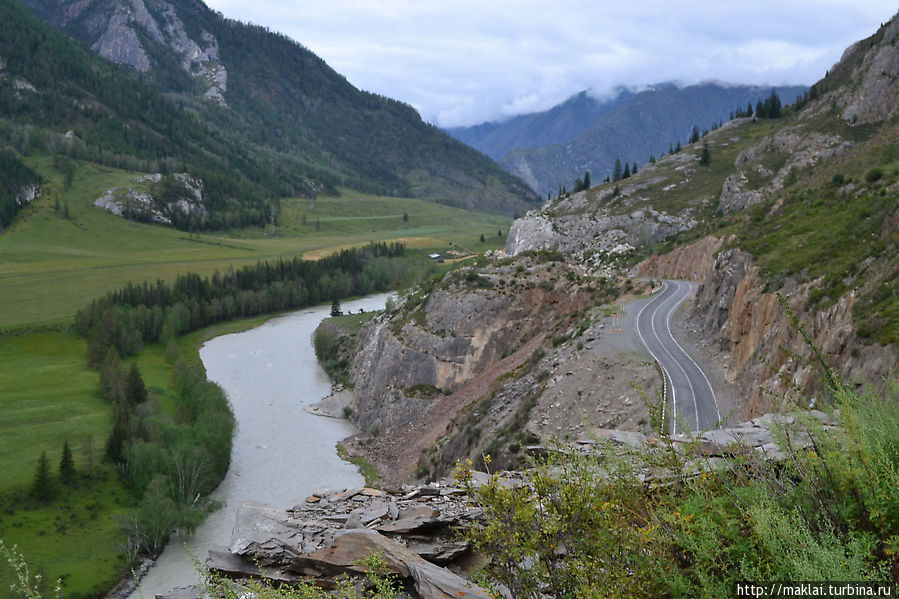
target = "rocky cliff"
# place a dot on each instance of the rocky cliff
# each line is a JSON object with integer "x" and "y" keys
{"x": 737, "y": 317}
{"x": 121, "y": 31}
{"x": 868, "y": 76}
{"x": 493, "y": 358}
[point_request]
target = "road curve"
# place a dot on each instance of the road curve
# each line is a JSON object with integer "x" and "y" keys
{"x": 690, "y": 400}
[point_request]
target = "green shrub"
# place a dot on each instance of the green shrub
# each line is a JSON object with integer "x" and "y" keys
{"x": 875, "y": 174}
{"x": 580, "y": 523}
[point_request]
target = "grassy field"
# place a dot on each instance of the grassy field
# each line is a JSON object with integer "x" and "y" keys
{"x": 48, "y": 396}
{"x": 50, "y": 266}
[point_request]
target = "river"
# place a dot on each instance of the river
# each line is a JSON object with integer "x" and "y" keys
{"x": 281, "y": 453}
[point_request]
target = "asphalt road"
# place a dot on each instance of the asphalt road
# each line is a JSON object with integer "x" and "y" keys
{"x": 690, "y": 400}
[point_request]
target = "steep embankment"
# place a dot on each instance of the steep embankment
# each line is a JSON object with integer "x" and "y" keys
{"x": 489, "y": 360}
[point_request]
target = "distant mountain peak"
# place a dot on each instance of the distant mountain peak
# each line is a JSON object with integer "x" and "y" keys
{"x": 553, "y": 148}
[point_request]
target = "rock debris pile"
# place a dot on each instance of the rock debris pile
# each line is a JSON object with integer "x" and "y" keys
{"x": 333, "y": 530}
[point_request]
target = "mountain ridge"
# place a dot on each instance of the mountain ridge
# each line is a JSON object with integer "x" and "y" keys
{"x": 631, "y": 126}
{"x": 283, "y": 106}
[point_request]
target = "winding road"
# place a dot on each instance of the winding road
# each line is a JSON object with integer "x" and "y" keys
{"x": 690, "y": 400}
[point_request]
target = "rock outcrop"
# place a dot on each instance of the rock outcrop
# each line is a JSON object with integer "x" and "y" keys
{"x": 145, "y": 201}
{"x": 443, "y": 337}
{"x": 588, "y": 227}
{"x": 332, "y": 532}
{"x": 126, "y": 33}
{"x": 763, "y": 169}
{"x": 872, "y": 68}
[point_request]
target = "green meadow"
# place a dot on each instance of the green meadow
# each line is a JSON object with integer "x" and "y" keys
{"x": 51, "y": 265}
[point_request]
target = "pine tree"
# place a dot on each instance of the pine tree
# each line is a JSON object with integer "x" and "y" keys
{"x": 120, "y": 433}
{"x": 587, "y": 180}
{"x": 634, "y": 168}
{"x": 616, "y": 174}
{"x": 627, "y": 171}
{"x": 66, "y": 464}
{"x": 694, "y": 137}
{"x": 135, "y": 390}
{"x": 42, "y": 487}
{"x": 705, "y": 157}
{"x": 482, "y": 238}
{"x": 677, "y": 148}
{"x": 335, "y": 308}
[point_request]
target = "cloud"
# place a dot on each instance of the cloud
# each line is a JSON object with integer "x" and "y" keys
{"x": 461, "y": 62}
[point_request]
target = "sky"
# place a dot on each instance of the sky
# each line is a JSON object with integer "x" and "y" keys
{"x": 464, "y": 62}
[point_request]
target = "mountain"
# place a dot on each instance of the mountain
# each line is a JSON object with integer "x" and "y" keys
{"x": 559, "y": 124}
{"x": 293, "y": 126}
{"x": 586, "y": 134}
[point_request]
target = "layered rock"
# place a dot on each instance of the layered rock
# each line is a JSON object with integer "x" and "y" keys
{"x": 444, "y": 337}
{"x": 333, "y": 531}
{"x": 765, "y": 355}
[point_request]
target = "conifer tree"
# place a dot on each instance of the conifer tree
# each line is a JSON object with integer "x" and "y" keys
{"x": 627, "y": 171}
{"x": 616, "y": 174}
{"x": 705, "y": 157}
{"x": 694, "y": 137}
{"x": 42, "y": 487}
{"x": 66, "y": 464}
{"x": 135, "y": 390}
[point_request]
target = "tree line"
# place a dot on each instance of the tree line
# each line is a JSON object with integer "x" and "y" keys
{"x": 140, "y": 313}
{"x": 14, "y": 177}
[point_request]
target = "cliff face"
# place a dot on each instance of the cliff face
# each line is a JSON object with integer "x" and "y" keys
{"x": 765, "y": 355}
{"x": 443, "y": 337}
{"x": 871, "y": 67}
{"x": 125, "y": 33}
{"x": 491, "y": 359}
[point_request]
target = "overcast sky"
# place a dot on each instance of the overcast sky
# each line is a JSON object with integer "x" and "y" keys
{"x": 463, "y": 62}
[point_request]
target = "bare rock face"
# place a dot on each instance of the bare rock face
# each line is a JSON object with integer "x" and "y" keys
{"x": 28, "y": 194}
{"x": 875, "y": 79}
{"x": 595, "y": 227}
{"x": 119, "y": 28}
{"x": 120, "y": 43}
{"x": 440, "y": 340}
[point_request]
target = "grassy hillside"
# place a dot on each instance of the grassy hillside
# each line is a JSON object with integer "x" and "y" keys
{"x": 643, "y": 125}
